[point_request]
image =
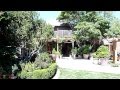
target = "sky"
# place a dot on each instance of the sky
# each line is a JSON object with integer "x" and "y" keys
{"x": 50, "y": 16}
{"x": 117, "y": 14}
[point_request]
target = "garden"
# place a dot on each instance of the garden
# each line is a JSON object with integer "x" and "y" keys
{"x": 23, "y": 52}
{"x": 24, "y": 37}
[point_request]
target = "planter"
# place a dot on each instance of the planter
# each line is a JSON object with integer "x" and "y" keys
{"x": 79, "y": 56}
{"x": 103, "y": 61}
{"x": 85, "y": 56}
{"x": 53, "y": 56}
{"x": 95, "y": 61}
{"x": 74, "y": 56}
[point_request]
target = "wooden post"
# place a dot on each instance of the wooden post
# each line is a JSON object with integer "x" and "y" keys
{"x": 114, "y": 51}
{"x": 114, "y": 56}
{"x": 72, "y": 44}
{"x": 57, "y": 46}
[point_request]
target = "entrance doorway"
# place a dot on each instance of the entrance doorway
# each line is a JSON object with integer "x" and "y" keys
{"x": 66, "y": 49}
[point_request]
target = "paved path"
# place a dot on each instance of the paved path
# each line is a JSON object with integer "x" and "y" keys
{"x": 82, "y": 64}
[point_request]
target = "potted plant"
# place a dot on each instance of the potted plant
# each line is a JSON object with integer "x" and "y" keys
{"x": 79, "y": 53}
{"x": 58, "y": 54}
{"x": 103, "y": 54}
{"x": 95, "y": 58}
{"x": 54, "y": 54}
{"x": 85, "y": 51}
{"x": 74, "y": 52}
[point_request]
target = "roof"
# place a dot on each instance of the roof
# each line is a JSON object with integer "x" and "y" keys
{"x": 109, "y": 40}
{"x": 66, "y": 26}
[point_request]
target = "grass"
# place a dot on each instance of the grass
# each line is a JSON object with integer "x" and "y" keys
{"x": 81, "y": 74}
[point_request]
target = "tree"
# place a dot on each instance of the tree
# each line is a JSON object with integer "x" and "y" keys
{"x": 44, "y": 32}
{"x": 19, "y": 28}
{"x": 86, "y": 31}
{"x": 103, "y": 25}
{"x": 87, "y": 25}
{"x": 107, "y": 14}
{"x": 114, "y": 30}
{"x": 73, "y": 17}
{"x": 14, "y": 26}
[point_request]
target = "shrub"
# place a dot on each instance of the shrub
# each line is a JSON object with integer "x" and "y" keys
{"x": 102, "y": 52}
{"x": 94, "y": 55}
{"x": 86, "y": 49}
{"x": 58, "y": 53}
{"x": 47, "y": 73}
{"x": 53, "y": 51}
{"x": 74, "y": 50}
{"x": 43, "y": 60}
{"x": 79, "y": 51}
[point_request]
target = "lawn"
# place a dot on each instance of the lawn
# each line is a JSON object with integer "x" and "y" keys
{"x": 81, "y": 74}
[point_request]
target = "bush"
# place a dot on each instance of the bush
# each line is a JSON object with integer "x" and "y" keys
{"x": 102, "y": 52}
{"x": 79, "y": 51}
{"x": 54, "y": 51}
{"x": 47, "y": 73}
{"x": 74, "y": 50}
{"x": 94, "y": 55}
{"x": 43, "y": 60}
{"x": 86, "y": 49}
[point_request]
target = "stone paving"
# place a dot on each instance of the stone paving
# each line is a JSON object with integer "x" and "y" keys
{"x": 83, "y": 64}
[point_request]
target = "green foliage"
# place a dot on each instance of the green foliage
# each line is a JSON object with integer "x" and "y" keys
{"x": 87, "y": 25}
{"x": 114, "y": 30}
{"x": 43, "y": 60}
{"x": 47, "y": 73}
{"x": 58, "y": 53}
{"x": 21, "y": 28}
{"x": 102, "y": 52}
{"x": 74, "y": 50}
{"x": 86, "y": 49}
{"x": 54, "y": 51}
{"x": 79, "y": 51}
{"x": 86, "y": 31}
{"x": 94, "y": 55}
{"x": 103, "y": 25}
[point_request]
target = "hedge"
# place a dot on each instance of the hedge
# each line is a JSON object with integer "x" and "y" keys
{"x": 47, "y": 73}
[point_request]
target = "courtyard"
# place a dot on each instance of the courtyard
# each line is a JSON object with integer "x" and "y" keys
{"x": 69, "y": 68}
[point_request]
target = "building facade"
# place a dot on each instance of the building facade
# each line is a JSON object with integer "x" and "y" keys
{"x": 62, "y": 40}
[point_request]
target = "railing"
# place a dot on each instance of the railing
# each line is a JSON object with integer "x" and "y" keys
{"x": 63, "y": 33}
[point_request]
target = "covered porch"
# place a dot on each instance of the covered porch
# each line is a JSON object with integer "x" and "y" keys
{"x": 62, "y": 45}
